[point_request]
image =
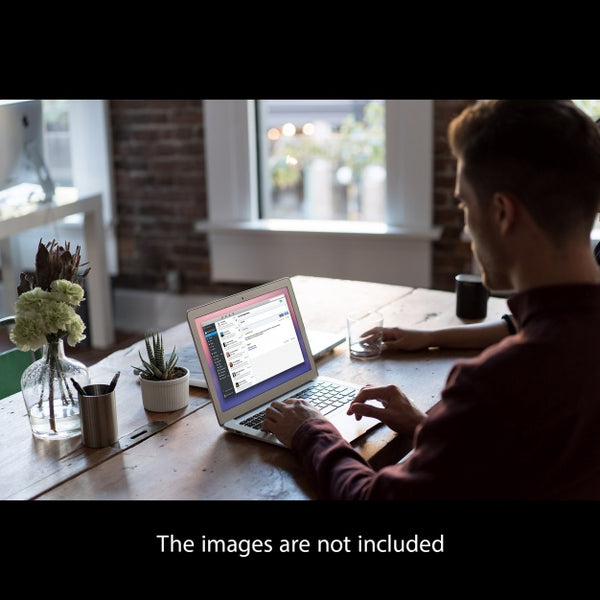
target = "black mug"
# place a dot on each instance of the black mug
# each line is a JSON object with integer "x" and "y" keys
{"x": 471, "y": 297}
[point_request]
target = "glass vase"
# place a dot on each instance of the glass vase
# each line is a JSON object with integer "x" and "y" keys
{"x": 50, "y": 397}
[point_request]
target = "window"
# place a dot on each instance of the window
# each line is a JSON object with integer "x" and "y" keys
{"x": 251, "y": 242}
{"x": 322, "y": 159}
{"x": 592, "y": 108}
{"x": 57, "y": 143}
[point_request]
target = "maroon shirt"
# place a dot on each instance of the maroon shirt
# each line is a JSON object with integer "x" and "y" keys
{"x": 519, "y": 421}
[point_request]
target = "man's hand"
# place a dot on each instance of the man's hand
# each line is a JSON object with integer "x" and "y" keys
{"x": 396, "y": 410}
{"x": 395, "y": 338}
{"x": 284, "y": 418}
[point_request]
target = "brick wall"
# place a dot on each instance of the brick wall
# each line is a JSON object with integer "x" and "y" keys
{"x": 160, "y": 191}
{"x": 451, "y": 255}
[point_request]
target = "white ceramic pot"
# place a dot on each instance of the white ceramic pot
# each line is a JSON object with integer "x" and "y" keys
{"x": 167, "y": 395}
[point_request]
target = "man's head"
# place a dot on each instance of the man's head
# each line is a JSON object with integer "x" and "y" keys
{"x": 535, "y": 159}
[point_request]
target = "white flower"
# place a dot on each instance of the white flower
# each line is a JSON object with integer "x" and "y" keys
{"x": 43, "y": 316}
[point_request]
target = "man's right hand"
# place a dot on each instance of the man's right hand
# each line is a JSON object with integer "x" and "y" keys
{"x": 396, "y": 410}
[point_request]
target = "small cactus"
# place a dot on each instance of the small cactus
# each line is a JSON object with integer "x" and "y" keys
{"x": 156, "y": 367}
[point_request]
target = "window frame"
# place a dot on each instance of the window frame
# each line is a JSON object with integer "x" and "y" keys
{"x": 242, "y": 244}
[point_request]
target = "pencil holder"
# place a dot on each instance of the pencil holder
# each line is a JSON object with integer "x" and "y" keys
{"x": 98, "y": 412}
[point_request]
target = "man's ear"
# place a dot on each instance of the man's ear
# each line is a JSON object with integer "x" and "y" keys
{"x": 505, "y": 210}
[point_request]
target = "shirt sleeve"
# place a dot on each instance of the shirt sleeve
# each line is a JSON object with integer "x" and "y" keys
{"x": 443, "y": 465}
{"x": 338, "y": 472}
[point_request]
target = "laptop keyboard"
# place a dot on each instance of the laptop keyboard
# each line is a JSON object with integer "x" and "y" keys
{"x": 324, "y": 395}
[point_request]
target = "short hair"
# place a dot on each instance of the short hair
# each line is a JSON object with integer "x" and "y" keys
{"x": 544, "y": 152}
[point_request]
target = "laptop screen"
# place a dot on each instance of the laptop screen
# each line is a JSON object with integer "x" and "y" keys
{"x": 252, "y": 346}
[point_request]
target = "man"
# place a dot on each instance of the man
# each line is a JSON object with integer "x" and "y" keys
{"x": 521, "y": 419}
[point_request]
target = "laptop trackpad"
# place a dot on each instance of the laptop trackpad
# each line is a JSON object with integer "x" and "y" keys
{"x": 349, "y": 427}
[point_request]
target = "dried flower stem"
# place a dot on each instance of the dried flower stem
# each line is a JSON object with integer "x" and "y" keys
{"x": 55, "y": 370}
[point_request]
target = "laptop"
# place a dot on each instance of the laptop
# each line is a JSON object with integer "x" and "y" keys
{"x": 321, "y": 343}
{"x": 253, "y": 349}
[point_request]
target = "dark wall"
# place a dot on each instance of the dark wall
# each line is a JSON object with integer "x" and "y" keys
{"x": 160, "y": 189}
{"x": 451, "y": 255}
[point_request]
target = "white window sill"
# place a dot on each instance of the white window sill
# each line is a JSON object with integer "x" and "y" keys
{"x": 320, "y": 228}
{"x": 263, "y": 250}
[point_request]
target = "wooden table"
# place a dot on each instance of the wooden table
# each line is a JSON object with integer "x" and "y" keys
{"x": 186, "y": 455}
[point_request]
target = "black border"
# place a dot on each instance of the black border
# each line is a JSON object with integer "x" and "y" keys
{"x": 496, "y": 538}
